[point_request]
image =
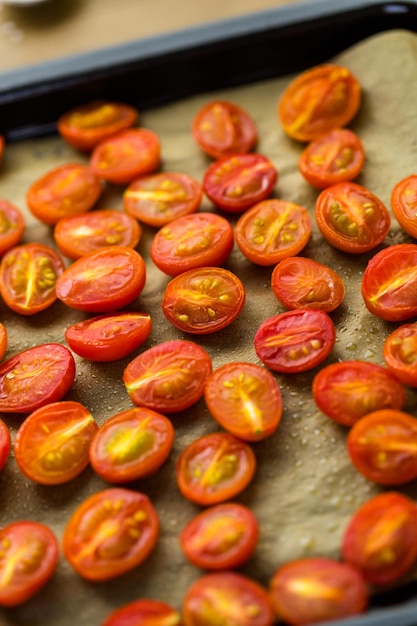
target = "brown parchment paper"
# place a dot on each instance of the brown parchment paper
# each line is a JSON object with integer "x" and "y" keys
{"x": 305, "y": 488}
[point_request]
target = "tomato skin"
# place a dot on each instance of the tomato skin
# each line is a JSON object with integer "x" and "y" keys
{"x": 215, "y": 468}
{"x": 144, "y": 612}
{"x": 109, "y": 337}
{"x": 245, "y": 399}
{"x": 400, "y": 353}
{"x": 4, "y": 339}
{"x": 35, "y": 377}
{"x": 273, "y": 230}
{"x": 237, "y": 182}
{"x": 351, "y": 218}
{"x": 103, "y": 281}
{"x": 12, "y": 225}
{"x": 389, "y": 283}
{"x": 5, "y": 444}
{"x": 25, "y": 543}
{"x": 316, "y": 589}
{"x": 300, "y": 283}
{"x": 203, "y": 300}
{"x": 295, "y": 341}
{"x": 110, "y": 533}
{"x": 191, "y": 241}
{"x": 349, "y": 390}
{"x": 221, "y": 537}
{"x": 131, "y": 445}
{"x": 380, "y": 539}
{"x": 319, "y": 99}
{"x": 383, "y": 447}
{"x": 222, "y": 128}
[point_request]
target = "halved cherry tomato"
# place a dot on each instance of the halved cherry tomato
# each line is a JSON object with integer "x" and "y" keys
{"x": 77, "y": 235}
{"x": 349, "y": 390}
{"x": 319, "y": 99}
{"x": 301, "y": 283}
{"x": 125, "y": 156}
{"x": 103, "y": 281}
{"x": 203, "y": 300}
{"x": 144, "y": 612}
{"x": 158, "y": 199}
{"x": 404, "y": 204}
{"x": 52, "y": 444}
{"x": 5, "y": 444}
{"x": 28, "y": 559}
{"x": 65, "y": 190}
{"x": 168, "y": 377}
{"x": 245, "y": 399}
{"x": 295, "y": 341}
{"x": 222, "y": 128}
{"x": 191, "y": 241}
{"x": 317, "y": 589}
{"x": 131, "y": 445}
{"x": 351, "y": 218}
{"x": 12, "y": 225}
{"x": 380, "y": 539}
{"x": 85, "y": 126}
{"x": 223, "y": 536}
{"x": 28, "y": 277}
{"x": 273, "y": 230}
{"x": 383, "y": 447}
{"x": 109, "y": 337}
{"x": 237, "y": 182}
{"x": 110, "y": 533}
{"x": 3, "y": 340}
{"x": 389, "y": 283}
{"x": 2, "y": 145}
{"x": 335, "y": 157}
{"x": 400, "y": 353}
{"x": 35, "y": 377}
{"x": 215, "y": 468}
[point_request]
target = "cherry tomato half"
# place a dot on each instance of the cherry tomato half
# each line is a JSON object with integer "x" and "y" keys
{"x": 319, "y": 99}
{"x": 349, "y": 390}
{"x": 245, "y": 399}
{"x": 28, "y": 277}
{"x": 28, "y": 559}
{"x": 404, "y": 204}
{"x": 273, "y": 230}
{"x": 381, "y": 538}
{"x": 220, "y": 537}
{"x": 168, "y": 377}
{"x": 5, "y": 444}
{"x": 103, "y": 281}
{"x": 389, "y": 283}
{"x": 383, "y": 447}
{"x": 158, "y": 199}
{"x": 2, "y": 146}
{"x": 222, "y": 128}
{"x": 351, "y": 218}
{"x": 110, "y": 533}
{"x": 121, "y": 158}
{"x": 203, "y": 300}
{"x": 191, "y": 241}
{"x": 85, "y": 126}
{"x": 295, "y": 341}
{"x": 131, "y": 445}
{"x": 77, "y": 235}
{"x": 3, "y": 340}
{"x": 12, "y": 225}
{"x": 65, "y": 190}
{"x": 144, "y": 612}
{"x": 52, "y": 444}
{"x": 35, "y": 377}
{"x": 215, "y": 468}
{"x": 237, "y": 182}
{"x": 400, "y": 353}
{"x": 109, "y": 337}
{"x": 301, "y": 283}
{"x": 316, "y": 589}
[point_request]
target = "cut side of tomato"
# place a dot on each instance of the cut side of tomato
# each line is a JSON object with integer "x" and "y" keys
{"x": 400, "y": 353}
{"x": 12, "y": 225}
{"x": 144, "y": 612}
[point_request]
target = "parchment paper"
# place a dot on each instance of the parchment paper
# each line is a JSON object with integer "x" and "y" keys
{"x": 305, "y": 488}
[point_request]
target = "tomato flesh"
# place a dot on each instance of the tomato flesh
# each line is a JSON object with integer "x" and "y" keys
{"x": 404, "y": 203}
{"x": 144, "y": 612}
{"x": 5, "y": 443}
{"x": 12, "y": 225}
{"x": 400, "y": 353}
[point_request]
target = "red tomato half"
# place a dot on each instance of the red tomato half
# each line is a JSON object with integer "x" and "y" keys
{"x": 295, "y": 341}
{"x": 103, "y": 281}
{"x": 131, "y": 445}
{"x": 144, "y": 612}
{"x": 168, "y": 377}
{"x": 5, "y": 444}
{"x": 400, "y": 353}
{"x": 220, "y": 537}
{"x": 191, "y": 241}
{"x": 404, "y": 204}
{"x": 35, "y": 377}
{"x": 109, "y": 337}
{"x": 12, "y": 225}
{"x": 52, "y": 444}
{"x": 110, "y": 533}
{"x": 3, "y": 340}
